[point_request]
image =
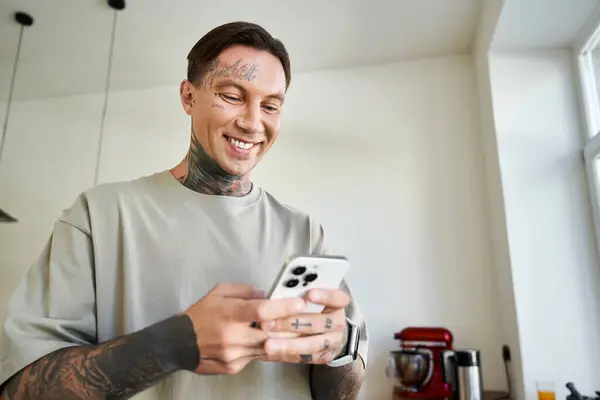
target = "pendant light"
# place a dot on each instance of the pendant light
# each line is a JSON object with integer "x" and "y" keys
{"x": 24, "y": 20}
{"x": 116, "y": 5}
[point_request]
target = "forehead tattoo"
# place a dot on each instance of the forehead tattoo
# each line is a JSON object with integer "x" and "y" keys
{"x": 238, "y": 70}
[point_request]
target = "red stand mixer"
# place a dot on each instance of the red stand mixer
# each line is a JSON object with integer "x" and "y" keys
{"x": 420, "y": 367}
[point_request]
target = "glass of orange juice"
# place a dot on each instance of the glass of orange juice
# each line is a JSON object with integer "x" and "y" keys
{"x": 545, "y": 390}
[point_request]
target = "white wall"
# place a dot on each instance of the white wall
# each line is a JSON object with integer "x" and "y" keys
{"x": 554, "y": 265}
{"x": 48, "y": 158}
{"x": 387, "y": 157}
{"x": 507, "y": 320}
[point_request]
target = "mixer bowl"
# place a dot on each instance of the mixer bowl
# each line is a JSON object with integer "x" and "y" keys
{"x": 410, "y": 369}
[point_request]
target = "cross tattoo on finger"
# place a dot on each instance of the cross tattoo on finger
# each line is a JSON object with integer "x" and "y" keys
{"x": 297, "y": 324}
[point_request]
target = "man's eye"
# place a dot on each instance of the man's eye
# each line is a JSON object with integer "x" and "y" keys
{"x": 230, "y": 99}
{"x": 270, "y": 108}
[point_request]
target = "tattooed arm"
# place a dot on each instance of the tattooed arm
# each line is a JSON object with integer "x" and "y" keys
{"x": 340, "y": 383}
{"x": 116, "y": 369}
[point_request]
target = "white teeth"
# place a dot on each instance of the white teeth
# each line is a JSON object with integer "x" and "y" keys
{"x": 239, "y": 144}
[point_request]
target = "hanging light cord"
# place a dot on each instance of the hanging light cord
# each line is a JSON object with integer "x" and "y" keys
{"x": 10, "y": 92}
{"x": 106, "y": 89}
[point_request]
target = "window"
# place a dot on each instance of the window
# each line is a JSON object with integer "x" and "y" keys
{"x": 588, "y": 60}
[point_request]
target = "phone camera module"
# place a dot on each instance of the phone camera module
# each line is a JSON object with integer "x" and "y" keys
{"x": 299, "y": 271}
{"x": 310, "y": 278}
{"x": 292, "y": 283}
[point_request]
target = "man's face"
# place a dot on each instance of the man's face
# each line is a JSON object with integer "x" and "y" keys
{"x": 236, "y": 108}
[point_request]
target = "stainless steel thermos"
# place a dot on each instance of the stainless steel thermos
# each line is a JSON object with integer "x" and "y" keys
{"x": 467, "y": 374}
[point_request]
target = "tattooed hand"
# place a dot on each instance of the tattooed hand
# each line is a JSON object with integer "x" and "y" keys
{"x": 223, "y": 324}
{"x": 323, "y": 336}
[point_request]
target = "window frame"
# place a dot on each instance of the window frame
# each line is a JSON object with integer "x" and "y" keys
{"x": 588, "y": 39}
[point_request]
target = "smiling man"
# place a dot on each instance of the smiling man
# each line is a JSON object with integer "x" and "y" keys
{"x": 152, "y": 287}
{"x": 235, "y": 103}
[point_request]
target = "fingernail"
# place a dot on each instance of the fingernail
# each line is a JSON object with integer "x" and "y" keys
{"x": 316, "y": 295}
{"x": 268, "y": 325}
{"x": 258, "y": 294}
{"x": 274, "y": 346}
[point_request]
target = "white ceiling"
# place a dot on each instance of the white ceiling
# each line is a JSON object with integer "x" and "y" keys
{"x": 66, "y": 50}
{"x": 537, "y": 24}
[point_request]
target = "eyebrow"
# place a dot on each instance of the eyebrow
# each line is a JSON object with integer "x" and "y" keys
{"x": 279, "y": 96}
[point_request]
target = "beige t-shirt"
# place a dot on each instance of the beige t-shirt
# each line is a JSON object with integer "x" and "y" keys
{"x": 129, "y": 254}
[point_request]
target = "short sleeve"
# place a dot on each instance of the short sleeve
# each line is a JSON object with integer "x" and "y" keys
{"x": 54, "y": 305}
{"x": 353, "y": 311}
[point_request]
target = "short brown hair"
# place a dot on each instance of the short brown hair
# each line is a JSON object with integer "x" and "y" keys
{"x": 208, "y": 48}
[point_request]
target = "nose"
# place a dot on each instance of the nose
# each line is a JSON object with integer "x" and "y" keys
{"x": 250, "y": 121}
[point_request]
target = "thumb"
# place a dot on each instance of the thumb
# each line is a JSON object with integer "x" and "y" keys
{"x": 239, "y": 291}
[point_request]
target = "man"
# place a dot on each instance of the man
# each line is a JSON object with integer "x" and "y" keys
{"x": 111, "y": 307}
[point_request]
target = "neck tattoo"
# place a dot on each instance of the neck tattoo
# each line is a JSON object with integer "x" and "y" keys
{"x": 204, "y": 175}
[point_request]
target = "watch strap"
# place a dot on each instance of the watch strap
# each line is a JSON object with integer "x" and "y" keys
{"x": 350, "y": 353}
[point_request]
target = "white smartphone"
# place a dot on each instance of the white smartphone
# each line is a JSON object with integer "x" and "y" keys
{"x": 304, "y": 272}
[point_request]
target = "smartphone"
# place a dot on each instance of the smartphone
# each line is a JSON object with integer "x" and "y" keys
{"x": 304, "y": 272}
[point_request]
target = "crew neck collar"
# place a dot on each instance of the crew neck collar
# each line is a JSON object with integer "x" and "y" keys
{"x": 254, "y": 195}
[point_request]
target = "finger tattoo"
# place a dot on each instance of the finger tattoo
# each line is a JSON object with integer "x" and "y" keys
{"x": 328, "y": 323}
{"x": 305, "y": 358}
{"x": 324, "y": 353}
{"x": 297, "y": 324}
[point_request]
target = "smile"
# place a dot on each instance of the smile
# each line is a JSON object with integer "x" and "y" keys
{"x": 240, "y": 144}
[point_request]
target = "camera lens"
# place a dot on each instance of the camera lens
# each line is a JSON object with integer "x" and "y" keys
{"x": 310, "y": 277}
{"x": 292, "y": 283}
{"x": 299, "y": 271}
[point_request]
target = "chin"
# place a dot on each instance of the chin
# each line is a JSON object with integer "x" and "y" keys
{"x": 237, "y": 169}
{"x": 236, "y": 161}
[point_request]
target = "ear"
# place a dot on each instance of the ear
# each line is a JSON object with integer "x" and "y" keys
{"x": 187, "y": 94}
